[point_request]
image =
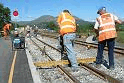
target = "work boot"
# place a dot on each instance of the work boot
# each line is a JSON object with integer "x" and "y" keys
{"x": 104, "y": 62}
{"x": 96, "y": 65}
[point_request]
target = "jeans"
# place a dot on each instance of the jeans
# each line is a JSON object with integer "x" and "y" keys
{"x": 68, "y": 38}
{"x": 110, "y": 45}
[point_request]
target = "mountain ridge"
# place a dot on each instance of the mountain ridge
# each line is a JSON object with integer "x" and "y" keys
{"x": 49, "y": 18}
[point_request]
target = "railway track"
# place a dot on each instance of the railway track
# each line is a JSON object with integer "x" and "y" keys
{"x": 96, "y": 72}
{"x": 118, "y": 50}
{"x": 46, "y": 73}
{"x": 62, "y": 69}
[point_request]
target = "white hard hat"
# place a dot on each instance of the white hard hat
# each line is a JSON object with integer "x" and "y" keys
{"x": 100, "y": 9}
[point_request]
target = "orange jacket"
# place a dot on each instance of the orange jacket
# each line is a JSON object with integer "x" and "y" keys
{"x": 107, "y": 28}
{"x": 6, "y": 27}
{"x": 66, "y": 23}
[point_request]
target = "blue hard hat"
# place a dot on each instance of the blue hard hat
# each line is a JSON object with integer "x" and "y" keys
{"x": 100, "y": 9}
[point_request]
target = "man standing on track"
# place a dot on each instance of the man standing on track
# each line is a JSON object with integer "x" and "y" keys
{"x": 67, "y": 30}
{"x": 106, "y": 32}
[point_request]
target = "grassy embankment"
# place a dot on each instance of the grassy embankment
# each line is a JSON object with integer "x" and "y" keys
{"x": 120, "y": 37}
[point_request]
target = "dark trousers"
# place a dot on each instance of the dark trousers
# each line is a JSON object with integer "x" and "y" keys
{"x": 110, "y": 45}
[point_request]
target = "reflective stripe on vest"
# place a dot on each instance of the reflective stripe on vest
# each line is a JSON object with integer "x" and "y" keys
{"x": 107, "y": 30}
{"x": 110, "y": 23}
{"x": 107, "y": 27}
{"x": 65, "y": 19}
{"x": 68, "y": 20}
{"x": 67, "y": 27}
{"x": 107, "y": 35}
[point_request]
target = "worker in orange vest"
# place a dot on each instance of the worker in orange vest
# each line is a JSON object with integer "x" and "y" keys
{"x": 6, "y": 29}
{"x": 106, "y": 31}
{"x": 67, "y": 30}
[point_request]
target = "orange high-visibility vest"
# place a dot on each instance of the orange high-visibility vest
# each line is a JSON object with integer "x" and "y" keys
{"x": 107, "y": 28}
{"x": 66, "y": 23}
{"x": 5, "y": 28}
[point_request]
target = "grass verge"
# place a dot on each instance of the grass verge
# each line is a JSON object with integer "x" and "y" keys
{"x": 120, "y": 37}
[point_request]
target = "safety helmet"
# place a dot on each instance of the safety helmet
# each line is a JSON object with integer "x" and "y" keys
{"x": 100, "y": 9}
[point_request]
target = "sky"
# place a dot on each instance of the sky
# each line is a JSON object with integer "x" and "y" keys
{"x": 84, "y": 9}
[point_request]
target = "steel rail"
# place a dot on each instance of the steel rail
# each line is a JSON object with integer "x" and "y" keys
{"x": 93, "y": 45}
{"x": 119, "y": 48}
{"x": 96, "y": 46}
{"x": 101, "y": 73}
{"x": 59, "y": 66}
{"x": 95, "y": 71}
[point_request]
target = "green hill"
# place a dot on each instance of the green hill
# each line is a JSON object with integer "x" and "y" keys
{"x": 24, "y": 22}
{"x": 47, "y": 18}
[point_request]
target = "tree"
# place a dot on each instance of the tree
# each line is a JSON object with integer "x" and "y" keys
{"x": 1, "y": 15}
{"x": 4, "y": 15}
{"x": 52, "y": 26}
{"x": 119, "y": 27}
{"x": 7, "y": 12}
